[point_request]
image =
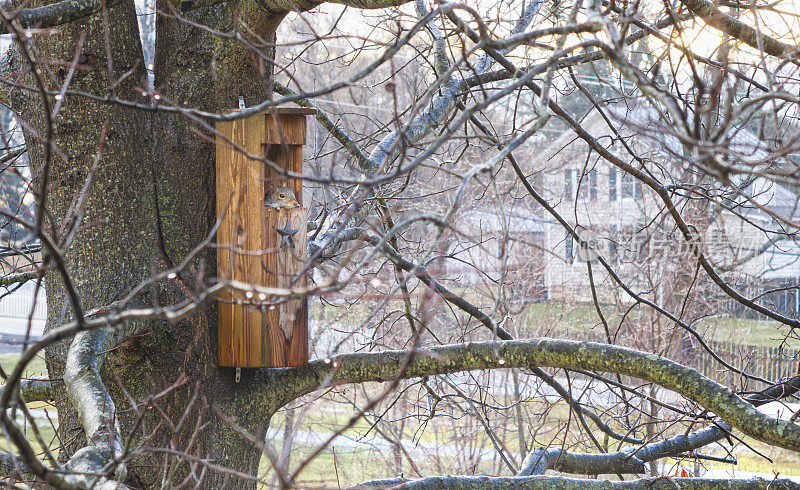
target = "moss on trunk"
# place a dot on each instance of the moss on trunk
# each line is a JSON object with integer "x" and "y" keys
{"x": 150, "y": 204}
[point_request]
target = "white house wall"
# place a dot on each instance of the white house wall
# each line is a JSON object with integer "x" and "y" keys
{"x": 726, "y": 238}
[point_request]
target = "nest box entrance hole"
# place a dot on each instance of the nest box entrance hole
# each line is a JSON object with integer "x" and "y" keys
{"x": 261, "y": 249}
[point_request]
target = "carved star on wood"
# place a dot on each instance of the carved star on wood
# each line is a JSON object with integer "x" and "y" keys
{"x": 287, "y": 235}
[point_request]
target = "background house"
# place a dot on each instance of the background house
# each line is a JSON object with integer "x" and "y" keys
{"x": 625, "y": 223}
{"x": 501, "y": 241}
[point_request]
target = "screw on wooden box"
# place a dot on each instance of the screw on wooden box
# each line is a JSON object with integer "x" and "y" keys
{"x": 263, "y": 247}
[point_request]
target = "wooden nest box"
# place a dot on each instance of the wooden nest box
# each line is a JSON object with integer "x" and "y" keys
{"x": 258, "y": 329}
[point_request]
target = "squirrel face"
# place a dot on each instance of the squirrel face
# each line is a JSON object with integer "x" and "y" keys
{"x": 279, "y": 197}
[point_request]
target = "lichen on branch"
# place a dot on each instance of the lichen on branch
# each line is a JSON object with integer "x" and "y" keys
{"x": 545, "y": 352}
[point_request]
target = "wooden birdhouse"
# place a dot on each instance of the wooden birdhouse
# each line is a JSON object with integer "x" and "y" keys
{"x": 259, "y": 245}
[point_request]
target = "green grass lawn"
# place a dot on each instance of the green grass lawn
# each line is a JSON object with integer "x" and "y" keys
{"x": 748, "y": 332}
{"x": 345, "y": 465}
{"x": 36, "y": 368}
{"x": 555, "y": 317}
{"x": 339, "y": 466}
{"x": 574, "y": 320}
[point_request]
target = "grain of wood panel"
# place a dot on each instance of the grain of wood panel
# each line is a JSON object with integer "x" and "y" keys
{"x": 250, "y": 336}
{"x": 273, "y": 348}
{"x": 240, "y": 184}
{"x": 287, "y": 322}
{"x": 285, "y": 129}
{"x": 225, "y": 196}
{"x": 255, "y": 232}
{"x": 239, "y": 269}
{"x": 282, "y": 150}
{"x": 224, "y": 331}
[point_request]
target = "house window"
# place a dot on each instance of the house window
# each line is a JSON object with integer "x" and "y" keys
{"x": 612, "y": 245}
{"x": 612, "y": 185}
{"x": 568, "y": 184}
{"x": 584, "y": 184}
{"x": 629, "y": 187}
{"x": 568, "y": 252}
{"x": 588, "y": 185}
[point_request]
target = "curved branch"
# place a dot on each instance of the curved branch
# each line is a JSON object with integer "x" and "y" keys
{"x": 733, "y": 27}
{"x": 688, "y": 382}
{"x": 421, "y": 273}
{"x": 92, "y": 402}
{"x": 550, "y": 482}
{"x": 628, "y": 460}
{"x": 540, "y": 460}
{"x": 60, "y": 13}
{"x": 22, "y": 277}
{"x": 36, "y": 390}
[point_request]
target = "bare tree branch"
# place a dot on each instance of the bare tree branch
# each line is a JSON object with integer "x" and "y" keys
{"x": 735, "y": 28}
{"x": 383, "y": 366}
{"x": 91, "y": 400}
{"x": 549, "y": 482}
{"x": 18, "y": 278}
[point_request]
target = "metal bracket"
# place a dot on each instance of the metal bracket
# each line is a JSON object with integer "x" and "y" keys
{"x": 238, "y": 374}
{"x": 241, "y": 102}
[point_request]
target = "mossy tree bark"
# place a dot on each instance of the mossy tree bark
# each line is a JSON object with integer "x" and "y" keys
{"x": 151, "y": 202}
{"x": 99, "y": 256}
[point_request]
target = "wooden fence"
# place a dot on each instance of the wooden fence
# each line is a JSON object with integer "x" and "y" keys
{"x": 771, "y": 363}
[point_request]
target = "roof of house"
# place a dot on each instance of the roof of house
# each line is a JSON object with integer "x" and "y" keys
{"x": 644, "y": 122}
{"x": 779, "y": 261}
{"x": 517, "y": 220}
{"x": 763, "y": 197}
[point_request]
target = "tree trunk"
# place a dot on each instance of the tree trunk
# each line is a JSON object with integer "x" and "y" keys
{"x": 151, "y": 202}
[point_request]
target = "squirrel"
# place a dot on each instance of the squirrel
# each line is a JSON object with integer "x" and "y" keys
{"x": 280, "y": 197}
